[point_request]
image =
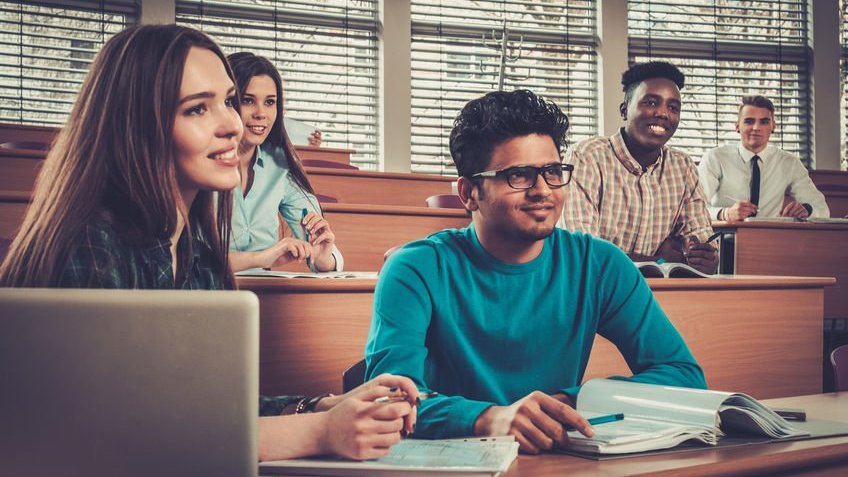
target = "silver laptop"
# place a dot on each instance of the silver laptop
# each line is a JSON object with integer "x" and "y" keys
{"x": 126, "y": 383}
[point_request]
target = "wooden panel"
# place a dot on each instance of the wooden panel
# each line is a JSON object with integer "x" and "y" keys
{"x": 18, "y": 169}
{"x": 324, "y": 153}
{"x": 365, "y": 187}
{"x": 797, "y": 249}
{"x": 18, "y": 173}
{"x": 11, "y": 216}
{"x": 731, "y": 332}
{"x": 822, "y": 177}
{"x": 312, "y": 331}
{"x": 364, "y": 233}
{"x": 837, "y": 202}
{"x": 24, "y": 132}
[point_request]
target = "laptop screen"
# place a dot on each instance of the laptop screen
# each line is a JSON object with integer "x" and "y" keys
{"x": 128, "y": 382}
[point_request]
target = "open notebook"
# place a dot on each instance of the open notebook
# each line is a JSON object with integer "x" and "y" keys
{"x": 669, "y": 270}
{"x": 473, "y": 457}
{"x": 659, "y": 417}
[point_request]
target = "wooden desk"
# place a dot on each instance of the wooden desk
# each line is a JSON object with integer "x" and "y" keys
{"x": 365, "y": 232}
{"x": 19, "y": 168}
{"x": 788, "y": 248}
{"x": 312, "y": 330}
{"x": 817, "y": 457}
{"x": 834, "y": 186}
{"x": 385, "y": 188}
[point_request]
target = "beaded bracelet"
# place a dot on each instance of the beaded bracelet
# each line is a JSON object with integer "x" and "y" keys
{"x": 308, "y": 404}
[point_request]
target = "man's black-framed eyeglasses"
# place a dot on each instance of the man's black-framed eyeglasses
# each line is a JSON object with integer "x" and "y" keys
{"x": 525, "y": 177}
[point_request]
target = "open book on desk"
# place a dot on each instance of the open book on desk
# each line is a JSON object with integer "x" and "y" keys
{"x": 259, "y": 272}
{"x": 659, "y": 417}
{"x": 473, "y": 457}
{"x": 669, "y": 270}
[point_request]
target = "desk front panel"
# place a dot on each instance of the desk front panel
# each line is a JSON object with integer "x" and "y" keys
{"x": 355, "y": 187}
{"x": 364, "y": 235}
{"x": 763, "y": 342}
{"x": 812, "y": 251}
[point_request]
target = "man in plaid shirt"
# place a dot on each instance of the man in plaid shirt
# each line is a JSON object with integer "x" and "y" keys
{"x": 632, "y": 189}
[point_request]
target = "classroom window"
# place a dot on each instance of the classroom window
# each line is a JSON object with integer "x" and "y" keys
{"x": 555, "y": 44}
{"x": 46, "y": 48}
{"x": 728, "y": 50}
{"x": 326, "y": 52}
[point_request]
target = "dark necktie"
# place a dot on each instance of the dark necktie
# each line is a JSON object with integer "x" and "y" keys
{"x": 755, "y": 180}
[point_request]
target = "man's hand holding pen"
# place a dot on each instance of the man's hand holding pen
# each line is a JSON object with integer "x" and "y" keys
{"x": 702, "y": 256}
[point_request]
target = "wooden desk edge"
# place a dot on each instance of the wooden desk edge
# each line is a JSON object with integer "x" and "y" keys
{"x": 395, "y": 210}
{"x": 328, "y": 285}
{"x": 722, "y": 226}
{"x": 409, "y": 176}
{"x": 307, "y": 285}
{"x": 739, "y": 282}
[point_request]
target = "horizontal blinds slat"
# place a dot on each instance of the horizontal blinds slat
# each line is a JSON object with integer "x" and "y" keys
{"x": 330, "y": 71}
{"x": 548, "y": 16}
{"x": 843, "y": 8}
{"x": 739, "y": 21}
{"x": 46, "y": 48}
{"x": 451, "y": 65}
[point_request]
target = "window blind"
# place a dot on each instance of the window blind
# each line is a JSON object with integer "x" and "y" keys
{"x": 843, "y": 63}
{"x": 46, "y": 48}
{"x": 728, "y": 50}
{"x": 556, "y": 45}
{"x": 326, "y": 52}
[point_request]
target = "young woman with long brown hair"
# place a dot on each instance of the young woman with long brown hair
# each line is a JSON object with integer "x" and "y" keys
{"x": 125, "y": 200}
{"x": 272, "y": 181}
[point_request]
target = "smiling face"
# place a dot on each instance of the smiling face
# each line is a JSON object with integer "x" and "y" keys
{"x": 653, "y": 114}
{"x": 207, "y": 127}
{"x": 755, "y": 126}
{"x": 507, "y": 218}
{"x": 258, "y": 109}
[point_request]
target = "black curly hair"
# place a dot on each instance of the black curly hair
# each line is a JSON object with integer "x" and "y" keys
{"x": 486, "y": 122}
{"x": 639, "y": 72}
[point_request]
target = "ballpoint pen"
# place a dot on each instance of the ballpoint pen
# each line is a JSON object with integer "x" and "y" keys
{"x": 403, "y": 397}
{"x": 594, "y": 421}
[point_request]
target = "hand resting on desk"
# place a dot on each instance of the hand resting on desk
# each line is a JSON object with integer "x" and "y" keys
{"x": 537, "y": 421}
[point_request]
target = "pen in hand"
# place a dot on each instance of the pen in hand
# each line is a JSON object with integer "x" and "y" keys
{"x": 404, "y": 397}
{"x": 594, "y": 421}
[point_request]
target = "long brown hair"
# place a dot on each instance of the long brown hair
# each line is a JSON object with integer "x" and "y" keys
{"x": 245, "y": 66}
{"x": 115, "y": 154}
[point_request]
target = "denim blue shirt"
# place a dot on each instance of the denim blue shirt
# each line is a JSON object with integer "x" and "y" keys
{"x": 254, "y": 223}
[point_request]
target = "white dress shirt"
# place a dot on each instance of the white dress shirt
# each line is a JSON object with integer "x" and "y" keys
{"x": 725, "y": 176}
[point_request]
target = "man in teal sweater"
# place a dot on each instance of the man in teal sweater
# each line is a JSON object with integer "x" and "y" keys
{"x": 499, "y": 318}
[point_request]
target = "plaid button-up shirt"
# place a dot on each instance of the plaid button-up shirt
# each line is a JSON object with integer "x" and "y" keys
{"x": 610, "y": 196}
{"x": 102, "y": 258}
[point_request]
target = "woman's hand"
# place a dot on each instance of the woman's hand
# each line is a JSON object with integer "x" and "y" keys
{"x": 321, "y": 238}
{"x": 285, "y": 251}
{"x": 359, "y": 428}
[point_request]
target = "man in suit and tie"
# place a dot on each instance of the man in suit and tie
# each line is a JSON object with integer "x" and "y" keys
{"x": 753, "y": 178}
